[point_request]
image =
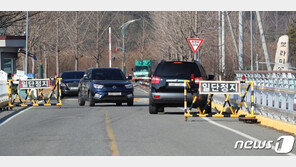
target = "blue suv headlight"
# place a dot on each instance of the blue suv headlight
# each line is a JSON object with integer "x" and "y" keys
{"x": 63, "y": 84}
{"x": 98, "y": 86}
{"x": 129, "y": 86}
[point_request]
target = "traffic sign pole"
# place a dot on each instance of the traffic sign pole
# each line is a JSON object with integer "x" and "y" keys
{"x": 110, "y": 62}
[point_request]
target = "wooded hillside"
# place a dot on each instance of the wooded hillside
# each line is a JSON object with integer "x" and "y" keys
{"x": 78, "y": 40}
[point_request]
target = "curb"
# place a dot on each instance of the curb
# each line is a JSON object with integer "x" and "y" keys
{"x": 265, "y": 121}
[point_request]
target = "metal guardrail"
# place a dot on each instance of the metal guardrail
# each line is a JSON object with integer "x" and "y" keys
{"x": 271, "y": 79}
{"x": 274, "y": 93}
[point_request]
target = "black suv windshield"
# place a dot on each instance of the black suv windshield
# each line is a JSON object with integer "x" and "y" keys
{"x": 177, "y": 69}
{"x": 107, "y": 74}
{"x": 73, "y": 75}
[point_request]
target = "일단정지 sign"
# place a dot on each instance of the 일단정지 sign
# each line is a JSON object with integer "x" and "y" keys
{"x": 219, "y": 87}
{"x": 34, "y": 84}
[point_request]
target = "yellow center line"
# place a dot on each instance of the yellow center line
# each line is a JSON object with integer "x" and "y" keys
{"x": 112, "y": 143}
{"x": 141, "y": 99}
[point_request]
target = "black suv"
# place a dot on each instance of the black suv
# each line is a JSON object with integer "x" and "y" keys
{"x": 167, "y": 85}
{"x": 70, "y": 80}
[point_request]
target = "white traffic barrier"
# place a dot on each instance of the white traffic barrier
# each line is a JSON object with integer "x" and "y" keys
{"x": 3, "y": 90}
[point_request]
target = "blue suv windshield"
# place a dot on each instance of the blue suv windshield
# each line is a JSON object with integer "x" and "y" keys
{"x": 107, "y": 74}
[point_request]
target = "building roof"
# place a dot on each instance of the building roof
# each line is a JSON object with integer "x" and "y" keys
{"x": 12, "y": 41}
{"x": 10, "y": 37}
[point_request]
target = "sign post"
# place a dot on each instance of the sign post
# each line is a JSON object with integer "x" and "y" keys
{"x": 110, "y": 62}
{"x": 195, "y": 43}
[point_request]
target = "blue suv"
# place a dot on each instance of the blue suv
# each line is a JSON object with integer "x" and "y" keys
{"x": 101, "y": 85}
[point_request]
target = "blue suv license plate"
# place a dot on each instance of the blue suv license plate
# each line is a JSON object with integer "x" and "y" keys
{"x": 114, "y": 93}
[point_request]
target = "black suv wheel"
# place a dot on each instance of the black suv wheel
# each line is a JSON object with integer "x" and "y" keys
{"x": 91, "y": 99}
{"x": 153, "y": 109}
{"x": 81, "y": 101}
{"x": 130, "y": 102}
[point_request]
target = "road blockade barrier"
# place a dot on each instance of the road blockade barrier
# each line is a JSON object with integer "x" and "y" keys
{"x": 36, "y": 90}
{"x": 219, "y": 87}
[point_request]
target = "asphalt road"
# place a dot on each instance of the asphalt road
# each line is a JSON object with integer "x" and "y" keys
{"x": 107, "y": 129}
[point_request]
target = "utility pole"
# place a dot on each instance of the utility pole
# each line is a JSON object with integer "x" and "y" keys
{"x": 45, "y": 65}
{"x": 123, "y": 60}
{"x": 219, "y": 36}
{"x": 195, "y": 31}
{"x": 232, "y": 35}
{"x": 57, "y": 49}
{"x": 110, "y": 65}
{"x": 97, "y": 40}
{"x": 40, "y": 62}
{"x": 33, "y": 65}
{"x": 223, "y": 42}
{"x": 240, "y": 41}
{"x": 257, "y": 63}
{"x": 27, "y": 38}
{"x": 264, "y": 46}
{"x": 251, "y": 38}
{"x": 123, "y": 26}
{"x": 76, "y": 41}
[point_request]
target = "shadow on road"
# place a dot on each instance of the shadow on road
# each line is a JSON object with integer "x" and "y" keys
{"x": 70, "y": 97}
{"x": 107, "y": 105}
{"x": 198, "y": 119}
{"x": 112, "y": 105}
{"x": 172, "y": 113}
{"x": 3, "y": 119}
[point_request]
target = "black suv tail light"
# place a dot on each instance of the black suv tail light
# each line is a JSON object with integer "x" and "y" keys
{"x": 178, "y": 62}
{"x": 197, "y": 79}
{"x": 155, "y": 80}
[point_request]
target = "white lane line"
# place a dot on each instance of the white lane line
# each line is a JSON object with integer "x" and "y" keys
{"x": 10, "y": 118}
{"x": 237, "y": 132}
{"x": 142, "y": 90}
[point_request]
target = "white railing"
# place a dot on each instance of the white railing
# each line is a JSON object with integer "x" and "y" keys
{"x": 274, "y": 93}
